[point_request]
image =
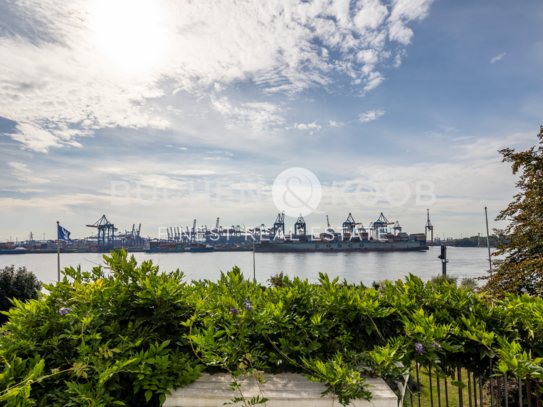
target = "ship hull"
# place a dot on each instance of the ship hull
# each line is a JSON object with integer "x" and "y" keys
{"x": 341, "y": 247}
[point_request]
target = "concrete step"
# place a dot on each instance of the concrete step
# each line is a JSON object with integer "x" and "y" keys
{"x": 282, "y": 390}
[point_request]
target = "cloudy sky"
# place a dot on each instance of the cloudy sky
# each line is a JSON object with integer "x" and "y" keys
{"x": 216, "y": 97}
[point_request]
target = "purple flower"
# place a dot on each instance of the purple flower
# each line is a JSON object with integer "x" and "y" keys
{"x": 64, "y": 311}
{"x": 234, "y": 311}
{"x": 418, "y": 348}
{"x": 437, "y": 345}
{"x": 247, "y": 305}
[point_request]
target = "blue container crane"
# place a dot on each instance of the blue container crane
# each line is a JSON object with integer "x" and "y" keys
{"x": 299, "y": 226}
{"x": 349, "y": 225}
{"x": 279, "y": 224}
{"x": 106, "y": 233}
{"x": 382, "y": 222}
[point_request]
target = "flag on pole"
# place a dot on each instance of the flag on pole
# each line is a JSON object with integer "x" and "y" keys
{"x": 63, "y": 234}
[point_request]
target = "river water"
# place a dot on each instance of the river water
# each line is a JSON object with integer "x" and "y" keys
{"x": 354, "y": 266}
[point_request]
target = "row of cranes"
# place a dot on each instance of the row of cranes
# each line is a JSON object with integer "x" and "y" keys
{"x": 216, "y": 234}
{"x": 131, "y": 237}
{"x": 350, "y": 226}
{"x": 240, "y": 234}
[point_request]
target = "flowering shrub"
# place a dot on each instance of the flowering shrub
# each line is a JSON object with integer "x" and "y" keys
{"x": 128, "y": 336}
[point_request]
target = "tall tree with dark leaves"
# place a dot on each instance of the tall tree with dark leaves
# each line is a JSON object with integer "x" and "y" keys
{"x": 522, "y": 268}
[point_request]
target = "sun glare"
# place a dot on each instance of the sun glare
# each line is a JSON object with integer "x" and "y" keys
{"x": 132, "y": 34}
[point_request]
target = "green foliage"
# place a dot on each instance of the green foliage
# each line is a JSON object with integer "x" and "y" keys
{"x": 21, "y": 284}
{"x": 440, "y": 279}
{"x": 522, "y": 269}
{"x": 476, "y": 241}
{"x": 131, "y": 335}
{"x": 473, "y": 241}
{"x": 113, "y": 347}
{"x": 278, "y": 280}
{"x": 379, "y": 285}
{"x": 468, "y": 283}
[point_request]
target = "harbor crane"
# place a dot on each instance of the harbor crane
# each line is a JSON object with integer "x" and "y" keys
{"x": 397, "y": 228}
{"x": 329, "y": 228}
{"x": 299, "y": 226}
{"x": 382, "y": 222}
{"x": 193, "y": 232}
{"x": 349, "y": 226}
{"x": 428, "y": 227}
{"x": 279, "y": 224}
{"x": 106, "y": 232}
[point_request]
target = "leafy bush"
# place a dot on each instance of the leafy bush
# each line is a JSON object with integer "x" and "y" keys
{"x": 440, "y": 279}
{"x": 379, "y": 285}
{"x": 129, "y": 336}
{"x": 21, "y": 284}
{"x": 468, "y": 283}
{"x": 278, "y": 280}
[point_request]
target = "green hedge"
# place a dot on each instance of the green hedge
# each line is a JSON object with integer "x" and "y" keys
{"x": 126, "y": 335}
{"x": 21, "y": 284}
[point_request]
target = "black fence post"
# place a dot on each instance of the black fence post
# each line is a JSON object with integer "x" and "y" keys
{"x": 491, "y": 385}
{"x": 474, "y": 390}
{"x": 446, "y": 391}
{"x": 520, "y": 391}
{"x": 418, "y": 381}
{"x": 529, "y": 391}
{"x": 438, "y": 391}
{"x": 431, "y": 389}
{"x": 469, "y": 388}
{"x": 411, "y": 389}
{"x": 498, "y": 399}
{"x": 481, "y": 391}
{"x": 460, "y": 401}
{"x": 506, "y": 389}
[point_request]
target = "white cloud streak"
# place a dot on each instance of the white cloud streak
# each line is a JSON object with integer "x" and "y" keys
{"x": 371, "y": 115}
{"x": 23, "y": 173}
{"x": 497, "y": 58}
{"x": 96, "y": 64}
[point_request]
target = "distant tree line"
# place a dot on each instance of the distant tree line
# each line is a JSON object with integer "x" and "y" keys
{"x": 480, "y": 241}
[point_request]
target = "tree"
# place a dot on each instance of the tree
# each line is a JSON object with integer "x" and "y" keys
{"x": 21, "y": 284}
{"x": 522, "y": 269}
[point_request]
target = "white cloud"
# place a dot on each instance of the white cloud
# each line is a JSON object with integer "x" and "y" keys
{"x": 335, "y": 124}
{"x": 258, "y": 116}
{"x": 183, "y": 148}
{"x": 90, "y": 65}
{"x": 56, "y": 94}
{"x": 22, "y": 190}
{"x": 23, "y": 173}
{"x": 404, "y": 11}
{"x": 371, "y": 115}
{"x": 20, "y": 167}
{"x": 497, "y": 58}
{"x": 309, "y": 126}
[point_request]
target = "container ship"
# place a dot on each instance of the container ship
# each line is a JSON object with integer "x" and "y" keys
{"x": 353, "y": 237}
{"x": 159, "y": 247}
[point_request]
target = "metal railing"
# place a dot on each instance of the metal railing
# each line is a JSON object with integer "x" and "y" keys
{"x": 433, "y": 390}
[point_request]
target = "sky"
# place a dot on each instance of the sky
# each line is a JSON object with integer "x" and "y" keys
{"x": 215, "y": 99}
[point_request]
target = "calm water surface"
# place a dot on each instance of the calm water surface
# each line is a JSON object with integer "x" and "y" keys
{"x": 355, "y": 267}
